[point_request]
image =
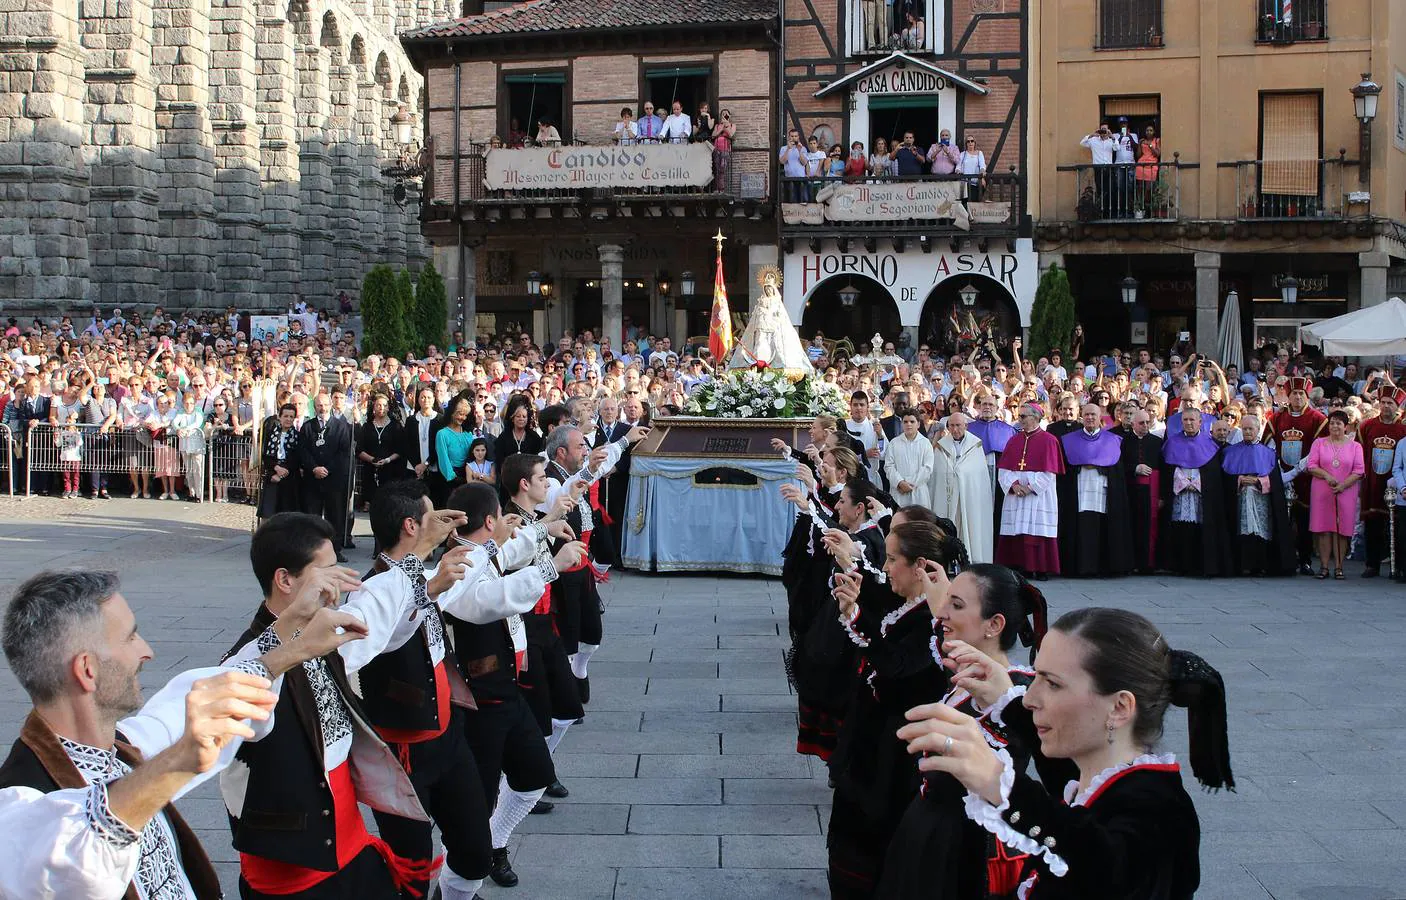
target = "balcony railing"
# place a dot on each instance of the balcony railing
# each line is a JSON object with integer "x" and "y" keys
{"x": 1128, "y": 191}
{"x": 1289, "y": 189}
{"x": 1305, "y": 21}
{"x": 608, "y": 173}
{"x": 1128, "y": 24}
{"x": 991, "y": 203}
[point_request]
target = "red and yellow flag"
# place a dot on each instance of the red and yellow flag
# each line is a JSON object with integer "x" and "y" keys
{"x": 720, "y": 327}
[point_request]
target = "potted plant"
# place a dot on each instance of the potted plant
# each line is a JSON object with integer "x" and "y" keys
{"x": 1293, "y": 209}
{"x": 1312, "y": 31}
{"x": 1154, "y": 39}
{"x": 1249, "y": 210}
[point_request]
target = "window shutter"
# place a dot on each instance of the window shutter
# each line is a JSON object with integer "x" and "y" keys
{"x": 1289, "y": 135}
{"x": 1131, "y": 106}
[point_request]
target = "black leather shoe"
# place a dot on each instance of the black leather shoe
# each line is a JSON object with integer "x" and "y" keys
{"x": 542, "y": 808}
{"x": 558, "y": 791}
{"x": 349, "y": 545}
{"x": 583, "y": 687}
{"x": 500, "y": 870}
{"x": 1371, "y": 572}
{"x": 341, "y": 557}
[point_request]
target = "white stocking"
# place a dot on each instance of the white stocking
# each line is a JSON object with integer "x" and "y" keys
{"x": 512, "y": 808}
{"x": 582, "y": 658}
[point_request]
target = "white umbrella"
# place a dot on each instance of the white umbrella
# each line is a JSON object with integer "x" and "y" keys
{"x": 1231, "y": 347}
{"x": 1378, "y": 330}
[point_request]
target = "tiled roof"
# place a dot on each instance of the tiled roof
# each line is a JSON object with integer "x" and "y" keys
{"x": 541, "y": 16}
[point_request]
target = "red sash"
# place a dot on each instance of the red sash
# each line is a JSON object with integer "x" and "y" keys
{"x": 268, "y": 876}
{"x": 408, "y": 736}
{"x": 600, "y": 510}
{"x": 585, "y": 559}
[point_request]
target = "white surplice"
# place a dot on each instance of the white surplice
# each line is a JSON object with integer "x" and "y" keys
{"x": 961, "y": 491}
{"x": 910, "y": 461}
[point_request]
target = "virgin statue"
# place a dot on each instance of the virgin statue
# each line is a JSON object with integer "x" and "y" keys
{"x": 770, "y": 337}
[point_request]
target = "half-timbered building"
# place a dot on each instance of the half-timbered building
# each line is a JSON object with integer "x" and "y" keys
{"x": 941, "y": 237}
{"x": 546, "y": 212}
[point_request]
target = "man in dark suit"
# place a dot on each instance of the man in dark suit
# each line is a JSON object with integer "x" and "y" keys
{"x": 324, "y": 452}
{"x": 612, "y": 488}
{"x": 27, "y": 410}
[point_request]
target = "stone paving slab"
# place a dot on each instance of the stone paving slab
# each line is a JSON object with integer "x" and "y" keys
{"x": 683, "y": 779}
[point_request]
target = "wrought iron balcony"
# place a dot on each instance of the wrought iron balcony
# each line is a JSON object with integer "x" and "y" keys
{"x": 1303, "y": 21}
{"x": 1129, "y": 24}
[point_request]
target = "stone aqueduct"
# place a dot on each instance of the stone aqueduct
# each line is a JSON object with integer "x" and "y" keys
{"x": 201, "y": 153}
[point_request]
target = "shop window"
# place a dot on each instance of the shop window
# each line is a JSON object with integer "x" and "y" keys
{"x": 530, "y": 99}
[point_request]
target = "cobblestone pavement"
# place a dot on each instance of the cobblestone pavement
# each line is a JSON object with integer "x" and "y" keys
{"x": 683, "y": 779}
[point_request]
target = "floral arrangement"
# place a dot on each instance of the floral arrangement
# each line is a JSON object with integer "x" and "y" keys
{"x": 764, "y": 393}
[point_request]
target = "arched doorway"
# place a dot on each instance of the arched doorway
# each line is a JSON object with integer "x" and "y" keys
{"x": 948, "y": 323}
{"x": 873, "y": 311}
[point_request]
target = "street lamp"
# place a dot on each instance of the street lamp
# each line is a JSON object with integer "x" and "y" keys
{"x": 686, "y": 283}
{"x": 848, "y": 295}
{"x": 534, "y": 283}
{"x": 546, "y": 287}
{"x": 1364, "y": 98}
{"x": 1128, "y": 286}
{"x": 663, "y": 282}
{"x": 1289, "y": 289}
{"x": 403, "y": 126}
{"x": 1365, "y": 95}
{"x": 969, "y": 295}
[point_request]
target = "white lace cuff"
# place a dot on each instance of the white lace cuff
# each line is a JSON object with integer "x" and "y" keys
{"x": 994, "y": 711}
{"x": 105, "y": 822}
{"x": 864, "y": 563}
{"x": 989, "y": 817}
{"x": 858, "y": 639}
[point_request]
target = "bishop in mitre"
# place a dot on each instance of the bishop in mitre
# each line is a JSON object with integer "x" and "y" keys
{"x": 961, "y": 487}
{"x": 770, "y": 337}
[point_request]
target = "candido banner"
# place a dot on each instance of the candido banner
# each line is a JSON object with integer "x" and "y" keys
{"x": 571, "y": 168}
{"x": 885, "y": 201}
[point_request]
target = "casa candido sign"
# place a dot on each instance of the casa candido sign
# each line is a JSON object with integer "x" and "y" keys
{"x": 577, "y": 168}
{"x": 894, "y": 80}
{"x": 894, "y": 201}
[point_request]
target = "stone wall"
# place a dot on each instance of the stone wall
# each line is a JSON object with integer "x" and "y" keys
{"x": 201, "y": 153}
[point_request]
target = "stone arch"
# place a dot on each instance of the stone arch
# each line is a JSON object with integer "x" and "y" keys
{"x": 994, "y": 302}
{"x": 874, "y": 310}
{"x": 300, "y": 17}
{"x": 357, "y": 56}
{"x": 331, "y": 37}
{"x": 383, "y": 74}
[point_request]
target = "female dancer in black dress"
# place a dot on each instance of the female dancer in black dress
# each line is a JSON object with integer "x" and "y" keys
{"x": 886, "y": 619}
{"x": 805, "y": 574}
{"x": 936, "y": 853}
{"x": 1126, "y": 828}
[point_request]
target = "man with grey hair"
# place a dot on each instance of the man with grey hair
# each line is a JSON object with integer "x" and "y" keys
{"x": 86, "y": 791}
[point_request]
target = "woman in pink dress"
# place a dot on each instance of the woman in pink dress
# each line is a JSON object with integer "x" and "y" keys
{"x": 1335, "y": 462}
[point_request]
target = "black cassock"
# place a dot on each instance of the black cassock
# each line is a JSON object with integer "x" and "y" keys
{"x": 1196, "y": 548}
{"x": 1092, "y": 543}
{"x": 1144, "y": 494}
{"x": 1251, "y": 553}
{"x": 1065, "y": 496}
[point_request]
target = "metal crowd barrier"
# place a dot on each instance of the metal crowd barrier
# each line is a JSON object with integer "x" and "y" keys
{"x": 86, "y": 451}
{"x": 7, "y": 458}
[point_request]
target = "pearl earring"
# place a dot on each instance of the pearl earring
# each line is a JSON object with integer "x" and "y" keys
{"x": 1110, "y": 732}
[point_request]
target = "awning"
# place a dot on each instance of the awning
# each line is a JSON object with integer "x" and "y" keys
{"x": 899, "y": 58}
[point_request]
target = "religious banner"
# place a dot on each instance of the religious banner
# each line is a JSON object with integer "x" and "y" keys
{"x": 269, "y": 329}
{"x": 577, "y": 168}
{"x": 886, "y": 202}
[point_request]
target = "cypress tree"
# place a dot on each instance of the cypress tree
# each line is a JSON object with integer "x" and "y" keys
{"x": 431, "y": 307}
{"x": 1052, "y": 318}
{"x": 382, "y": 323}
